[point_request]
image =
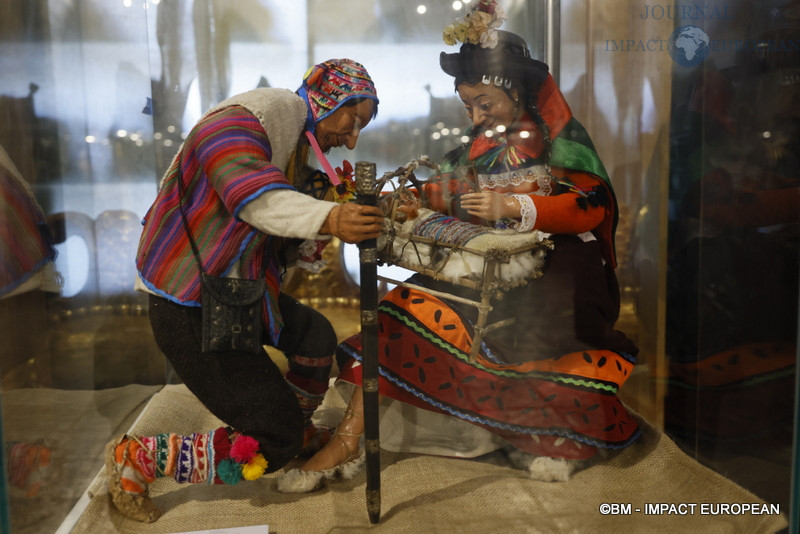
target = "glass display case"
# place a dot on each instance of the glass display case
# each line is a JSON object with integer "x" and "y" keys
{"x": 694, "y": 108}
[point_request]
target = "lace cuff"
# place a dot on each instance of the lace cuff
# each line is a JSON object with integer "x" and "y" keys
{"x": 528, "y": 211}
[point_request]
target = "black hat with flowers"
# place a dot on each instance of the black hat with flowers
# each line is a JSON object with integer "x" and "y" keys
{"x": 488, "y": 54}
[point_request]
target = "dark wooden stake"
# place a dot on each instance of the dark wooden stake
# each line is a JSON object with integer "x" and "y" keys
{"x": 368, "y": 256}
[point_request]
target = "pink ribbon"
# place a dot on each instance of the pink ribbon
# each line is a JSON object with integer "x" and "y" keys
{"x": 332, "y": 176}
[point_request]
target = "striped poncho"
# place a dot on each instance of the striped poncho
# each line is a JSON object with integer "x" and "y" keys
{"x": 226, "y": 161}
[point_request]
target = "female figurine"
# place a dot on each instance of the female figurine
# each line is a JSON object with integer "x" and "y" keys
{"x": 546, "y": 385}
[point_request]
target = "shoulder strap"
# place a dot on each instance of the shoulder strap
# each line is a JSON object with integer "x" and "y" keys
{"x": 179, "y": 177}
{"x": 188, "y": 232}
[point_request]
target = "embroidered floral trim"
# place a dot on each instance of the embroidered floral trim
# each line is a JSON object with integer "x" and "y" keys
{"x": 478, "y": 26}
{"x": 538, "y": 174}
{"x": 314, "y": 267}
{"x": 310, "y": 252}
{"x": 528, "y": 211}
{"x": 308, "y": 247}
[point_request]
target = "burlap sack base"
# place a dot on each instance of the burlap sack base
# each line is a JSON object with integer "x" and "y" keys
{"x": 434, "y": 494}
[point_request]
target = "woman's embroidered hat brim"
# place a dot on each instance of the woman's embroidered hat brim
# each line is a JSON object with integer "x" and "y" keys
{"x": 509, "y": 59}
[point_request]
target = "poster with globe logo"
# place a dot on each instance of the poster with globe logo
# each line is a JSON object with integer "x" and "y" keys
{"x": 688, "y": 46}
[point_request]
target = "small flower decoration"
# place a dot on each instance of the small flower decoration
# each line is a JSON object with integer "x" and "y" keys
{"x": 477, "y": 26}
{"x": 346, "y": 190}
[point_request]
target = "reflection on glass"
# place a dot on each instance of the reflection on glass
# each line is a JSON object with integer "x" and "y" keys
{"x": 731, "y": 331}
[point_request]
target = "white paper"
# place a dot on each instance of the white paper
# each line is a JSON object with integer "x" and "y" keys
{"x": 258, "y": 529}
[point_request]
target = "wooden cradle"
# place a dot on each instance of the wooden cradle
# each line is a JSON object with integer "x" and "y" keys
{"x": 491, "y": 261}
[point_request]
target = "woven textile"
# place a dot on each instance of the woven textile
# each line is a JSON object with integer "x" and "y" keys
{"x": 225, "y": 164}
{"x": 449, "y": 230}
{"x": 330, "y": 84}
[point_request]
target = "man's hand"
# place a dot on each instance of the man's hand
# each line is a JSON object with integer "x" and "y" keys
{"x": 353, "y": 223}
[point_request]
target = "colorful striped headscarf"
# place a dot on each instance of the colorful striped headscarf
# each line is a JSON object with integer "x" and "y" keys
{"x": 328, "y": 85}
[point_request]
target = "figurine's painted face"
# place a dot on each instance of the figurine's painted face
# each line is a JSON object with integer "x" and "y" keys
{"x": 488, "y": 106}
{"x": 342, "y": 127}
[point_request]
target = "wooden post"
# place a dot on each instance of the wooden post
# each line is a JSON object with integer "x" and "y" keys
{"x": 368, "y": 256}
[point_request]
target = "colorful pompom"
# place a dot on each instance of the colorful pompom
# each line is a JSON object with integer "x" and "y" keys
{"x": 229, "y": 472}
{"x": 314, "y": 75}
{"x": 244, "y": 449}
{"x": 256, "y": 468}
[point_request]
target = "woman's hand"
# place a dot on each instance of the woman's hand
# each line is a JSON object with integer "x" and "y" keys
{"x": 353, "y": 223}
{"x": 490, "y": 205}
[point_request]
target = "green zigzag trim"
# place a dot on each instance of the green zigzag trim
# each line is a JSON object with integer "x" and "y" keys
{"x": 509, "y": 374}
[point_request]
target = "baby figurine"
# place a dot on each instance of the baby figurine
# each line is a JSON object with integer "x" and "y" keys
{"x": 403, "y": 203}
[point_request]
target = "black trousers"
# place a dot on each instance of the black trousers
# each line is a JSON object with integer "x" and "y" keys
{"x": 246, "y": 391}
